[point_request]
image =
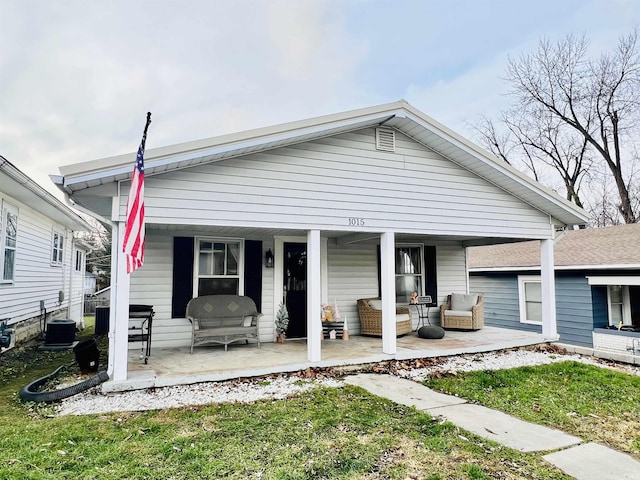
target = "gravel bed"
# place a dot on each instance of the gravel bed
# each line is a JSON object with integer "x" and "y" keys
{"x": 277, "y": 387}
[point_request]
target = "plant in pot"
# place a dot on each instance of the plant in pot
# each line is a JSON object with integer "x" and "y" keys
{"x": 282, "y": 322}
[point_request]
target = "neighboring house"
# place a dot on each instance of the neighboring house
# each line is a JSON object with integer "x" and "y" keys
{"x": 597, "y": 286}
{"x": 376, "y": 201}
{"x": 89, "y": 283}
{"x": 42, "y": 266}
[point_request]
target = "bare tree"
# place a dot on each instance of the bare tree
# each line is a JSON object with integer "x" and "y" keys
{"x": 599, "y": 101}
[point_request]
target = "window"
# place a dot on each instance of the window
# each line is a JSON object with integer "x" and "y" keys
{"x": 624, "y": 304}
{"x": 409, "y": 272}
{"x": 8, "y": 241}
{"x": 530, "y": 294}
{"x": 57, "y": 248}
{"x": 219, "y": 267}
{"x": 79, "y": 261}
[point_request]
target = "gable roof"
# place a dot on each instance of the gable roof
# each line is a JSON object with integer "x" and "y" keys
{"x": 399, "y": 115}
{"x": 606, "y": 247}
{"x": 19, "y": 186}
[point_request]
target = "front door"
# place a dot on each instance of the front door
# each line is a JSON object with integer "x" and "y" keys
{"x": 295, "y": 288}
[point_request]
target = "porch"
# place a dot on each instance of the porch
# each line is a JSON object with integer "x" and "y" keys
{"x": 175, "y": 366}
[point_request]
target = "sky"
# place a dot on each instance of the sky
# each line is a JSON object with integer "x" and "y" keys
{"x": 77, "y": 76}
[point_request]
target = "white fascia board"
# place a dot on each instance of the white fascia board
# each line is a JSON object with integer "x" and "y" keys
{"x": 217, "y": 150}
{"x": 610, "y": 280}
{"x": 557, "y": 267}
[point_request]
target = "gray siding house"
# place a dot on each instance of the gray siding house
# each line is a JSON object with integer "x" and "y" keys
{"x": 597, "y": 273}
{"x": 379, "y": 201}
{"x": 41, "y": 264}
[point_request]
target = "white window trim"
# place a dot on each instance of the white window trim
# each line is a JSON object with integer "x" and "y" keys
{"x": 4, "y": 209}
{"x": 196, "y": 266}
{"x": 626, "y": 304}
{"x": 522, "y": 279}
{"x": 422, "y": 264}
{"x": 63, "y": 234}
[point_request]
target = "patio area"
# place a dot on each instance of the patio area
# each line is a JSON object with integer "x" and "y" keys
{"x": 176, "y": 366}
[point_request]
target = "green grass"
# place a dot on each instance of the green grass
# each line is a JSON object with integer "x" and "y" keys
{"x": 593, "y": 403}
{"x": 342, "y": 433}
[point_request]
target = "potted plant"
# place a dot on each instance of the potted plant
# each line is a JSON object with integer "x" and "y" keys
{"x": 282, "y": 322}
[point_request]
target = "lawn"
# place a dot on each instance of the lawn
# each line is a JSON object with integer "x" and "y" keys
{"x": 596, "y": 404}
{"x": 325, "y": 433}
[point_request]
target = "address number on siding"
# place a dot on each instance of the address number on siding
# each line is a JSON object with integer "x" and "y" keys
{"x": 356, "y": 222}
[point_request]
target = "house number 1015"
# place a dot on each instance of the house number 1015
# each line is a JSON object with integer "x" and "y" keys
{"x": 356, "y": 222}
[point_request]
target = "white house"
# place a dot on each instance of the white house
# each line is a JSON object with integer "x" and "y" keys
{"x": 42, "y": 267}
{"x": 336, "y": 200}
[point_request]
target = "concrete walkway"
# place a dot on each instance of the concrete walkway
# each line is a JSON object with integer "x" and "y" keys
{"x": 583, "y": 462}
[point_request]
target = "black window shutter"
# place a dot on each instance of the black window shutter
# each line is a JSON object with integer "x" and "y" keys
{"x": 253, "y": 271}
{"x": 183, "y": 251}
{"x": 430, "y": 270}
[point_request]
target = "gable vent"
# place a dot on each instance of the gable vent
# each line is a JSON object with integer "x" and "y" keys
{"x": 385, "y": 139}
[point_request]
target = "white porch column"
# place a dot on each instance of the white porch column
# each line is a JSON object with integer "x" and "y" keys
{"x": 388, "y": 280}
{"x": 314, "y": 297}
{"x": 119, "y": 313}
{"x": 547, "y": 270}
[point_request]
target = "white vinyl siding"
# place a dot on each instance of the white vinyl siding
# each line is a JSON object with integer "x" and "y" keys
{"x": 352, "y": 273}
{"x": 341, "y": 183}
{"x": 34, "y": 277}
{"x": 530, "y": 295}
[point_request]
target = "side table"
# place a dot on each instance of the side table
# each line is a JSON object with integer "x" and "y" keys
{"x": 328, "y": 326}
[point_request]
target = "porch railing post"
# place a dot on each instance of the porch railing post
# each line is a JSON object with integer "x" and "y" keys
{"x": 387, "y": 271}
{"x": 548, "y": 287}
{"x": 314, "y": 298}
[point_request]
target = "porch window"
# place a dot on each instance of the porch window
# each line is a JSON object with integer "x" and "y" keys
{"x": 57, "y": 248}
{"x": 8, "y": 241}
{"x": 530, "y": 294}
{"x": 219, "y": 267}
{"x": 409, "y": 272}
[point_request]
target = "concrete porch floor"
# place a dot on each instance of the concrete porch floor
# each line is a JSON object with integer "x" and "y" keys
{"x": 176, "y": 366}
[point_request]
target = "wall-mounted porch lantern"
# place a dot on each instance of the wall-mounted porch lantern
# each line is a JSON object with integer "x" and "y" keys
{"x": 268, "y": 259}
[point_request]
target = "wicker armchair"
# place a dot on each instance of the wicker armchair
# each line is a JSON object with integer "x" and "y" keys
{"x": 371, "y": 319}
{"x": 465, "y": 313}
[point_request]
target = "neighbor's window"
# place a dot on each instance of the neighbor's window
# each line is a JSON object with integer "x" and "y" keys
{"x": 530, "y": 293}
{"x": 8, "y": 241}
{"x": 57, "y": 248}
{"x": 620, "y": 305}
{"x": 219, "y": 267}
{"x": 409, "y": 272}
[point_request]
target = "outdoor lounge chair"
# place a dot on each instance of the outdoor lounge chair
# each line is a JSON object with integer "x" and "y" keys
{"x": 370, "y": 310}
{"x": 462, "y": 312}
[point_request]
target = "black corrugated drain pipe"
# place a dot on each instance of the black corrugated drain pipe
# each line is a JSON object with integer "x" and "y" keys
{"x": 29, "y": 393}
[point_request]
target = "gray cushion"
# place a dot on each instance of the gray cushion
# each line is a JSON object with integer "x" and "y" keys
{"x": 375, "y": 304}
{"x": 461, "y": 301}
{"x": 458, "y": 313}
{"x": 431, "y": 331}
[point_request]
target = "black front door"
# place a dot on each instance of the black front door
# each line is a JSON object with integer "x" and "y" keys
{"x": 295, "y": 288}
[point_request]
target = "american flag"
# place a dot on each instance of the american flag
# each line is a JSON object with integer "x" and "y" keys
{"x": 133, "y": 244}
